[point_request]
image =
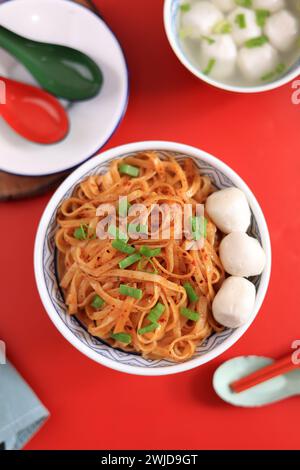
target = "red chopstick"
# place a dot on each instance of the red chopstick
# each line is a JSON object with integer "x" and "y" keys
{"x": 279, "y": 367}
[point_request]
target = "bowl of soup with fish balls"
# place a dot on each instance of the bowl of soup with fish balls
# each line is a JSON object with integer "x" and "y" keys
{"x": 238, "y": 45}
{"x": 144, "y": 294}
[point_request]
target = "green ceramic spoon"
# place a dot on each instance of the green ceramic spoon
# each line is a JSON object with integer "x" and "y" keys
{"x": 62, "y": 71}
{"x": 268, "y": 392}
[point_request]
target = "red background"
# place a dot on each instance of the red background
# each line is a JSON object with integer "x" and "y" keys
{"x": 94, "y": 407}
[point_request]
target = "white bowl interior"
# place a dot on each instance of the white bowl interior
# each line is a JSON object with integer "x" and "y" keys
{"x": 93, "y": 121}
{"x": 170, "y": 20}
{"x": 45, "y": 261}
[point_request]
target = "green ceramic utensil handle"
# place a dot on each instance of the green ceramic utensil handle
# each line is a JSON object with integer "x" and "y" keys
{"x": 61, "y": 70}
{"x": 10, "y": 41}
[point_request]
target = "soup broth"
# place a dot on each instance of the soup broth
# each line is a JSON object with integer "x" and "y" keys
{"x": 240, "y": 42}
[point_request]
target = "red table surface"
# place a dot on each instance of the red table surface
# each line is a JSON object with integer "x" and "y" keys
{"x": 95, "y": 407}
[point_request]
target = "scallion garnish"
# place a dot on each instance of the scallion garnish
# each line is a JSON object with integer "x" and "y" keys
{"x": 190, "y": 314}
{"x": 80, "y": 232}
{"x": 222, "y": 27}
{"x": 130, "y": 291}
{"x": 156, "y": 312}
{"x": 240, "y": 20}
{"x": 199, "y": 225}
{"x": 97, "y": 302}
{"x": 261, "y": 17}
{"x": 116, "y": 233}
{"x": 256, "y": 42}
{"x": 280, "y": 68}
{"x": 129, "y": 170}
{"x": 208, "y": 39}
{"x": 148, "y": 252}
{"x": 129, "y": 260}
{"x": 137, "y": 228}
{"x": 268, "y": 76}
{"x": 122, "y": 337}
{"x": 193, "y": 297}
{"x": 273, "y": 73}
{"x": 148, "y": 328}
{"x": 209, "y": 67}
{"x": 183, "y": 33}
{"x": 184, "y": 7}
{"x": 244, "y": 3}
{"x": 120, "y": 245}
{"x": 123, "y": 207}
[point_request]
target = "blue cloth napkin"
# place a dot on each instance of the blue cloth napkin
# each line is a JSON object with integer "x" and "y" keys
{"x": 21, "y": 412}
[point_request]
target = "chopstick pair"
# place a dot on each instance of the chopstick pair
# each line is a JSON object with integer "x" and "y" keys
{"x": 279, "y": 367}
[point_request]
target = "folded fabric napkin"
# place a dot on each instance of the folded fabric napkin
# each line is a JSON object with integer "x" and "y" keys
{"x": 21, "y": 412}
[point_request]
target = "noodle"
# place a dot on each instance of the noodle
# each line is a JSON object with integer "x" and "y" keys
{"x": 89, "y": 266}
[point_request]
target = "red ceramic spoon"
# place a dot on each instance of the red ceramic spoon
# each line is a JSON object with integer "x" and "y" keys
{"x": 33, "y": 113}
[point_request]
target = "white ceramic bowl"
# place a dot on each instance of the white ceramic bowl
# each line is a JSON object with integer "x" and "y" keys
{"x": 45, "y": 264}
{"x": 170, "y": 16}
{"x": 92, "y": 122}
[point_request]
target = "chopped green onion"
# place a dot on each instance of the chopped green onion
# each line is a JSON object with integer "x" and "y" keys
{"x": 184, "y": 7}
{"x": 190, "y": 314}
{"x": 268, "y": 76}
{"x": 137, "y": 228}
{"x": 261, "y": 17}
{"x": 199, "y": 225}
{"x": 120, "y": 245}
{"x": 80, "y": 232}
{"x": 244, "y": 3}
{"x": 148, "y": 252}
{"x": 222, "y": 27}
{"x": 129, "y": 260}
{"x": 97, "y": 302}
{"x": 156, "y": 312}
{"x": 129, "y": 170}
{"x": 116, "y": 233}
{"x": 130, "y": 291}
{"x": 183, "y": 33}
{"x": 256, "y": 42}
{"x": 280, "y": 68}
{"x": 271, "y": 75}
{"x": 148, "y": 328}
{"x": 240, "y": 20}
{"x": 122, "y": 337}
{"x": 209, "y": 67}
{"x": 123, "y": 207}
{"x": 193, "y": 297}
{"x": 208, "y": 39}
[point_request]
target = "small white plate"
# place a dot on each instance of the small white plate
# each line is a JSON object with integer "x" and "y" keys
{"x": 92, "y": 122}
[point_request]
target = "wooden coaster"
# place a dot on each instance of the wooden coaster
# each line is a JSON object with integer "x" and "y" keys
{"x": 16, "y": 187}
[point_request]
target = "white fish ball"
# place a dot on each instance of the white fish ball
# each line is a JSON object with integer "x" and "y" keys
{"x": 251, "y": 29}
{"x": 233, "y": 305}
{"x": 255, "y": 62}
{"x": 222, "y": 50}
{"x": 200, "y": 19}
{"x": 271, "y": 5}
{"x": 242, "y": 255}
{"x": 225, "y": 5}
{"x": 229, "y": 210}
{"x": 282, "y": 30}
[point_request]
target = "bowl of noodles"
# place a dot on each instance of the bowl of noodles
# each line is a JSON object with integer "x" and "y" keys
{"x": 134, "y": 299}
